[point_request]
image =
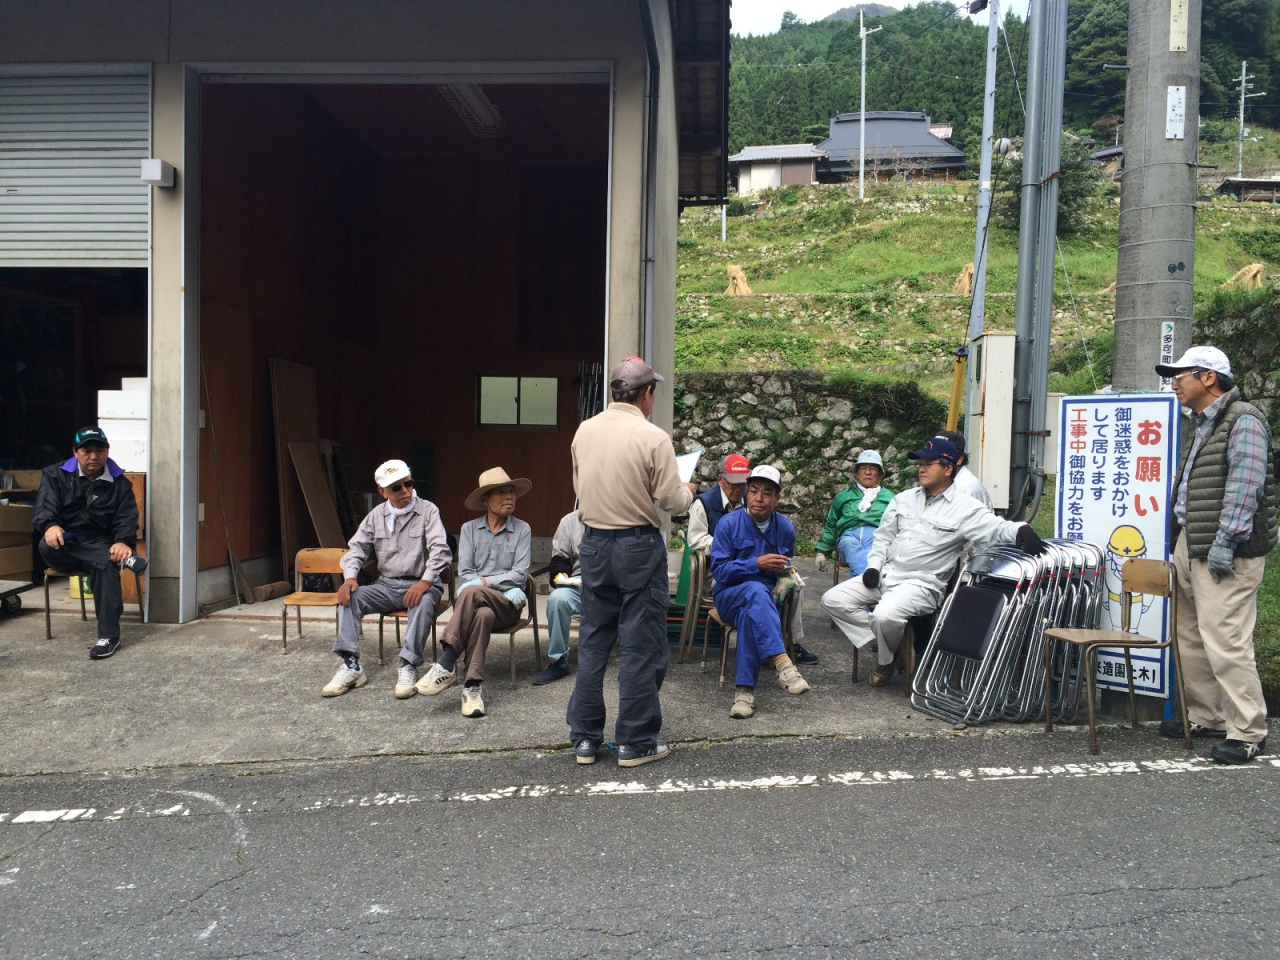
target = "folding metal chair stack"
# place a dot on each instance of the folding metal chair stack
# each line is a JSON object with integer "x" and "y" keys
{"x": 985, "y": 659}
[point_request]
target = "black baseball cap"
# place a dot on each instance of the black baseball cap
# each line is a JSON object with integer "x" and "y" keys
{"x": 88, "y": 435}
{"x": 939, "y": 448}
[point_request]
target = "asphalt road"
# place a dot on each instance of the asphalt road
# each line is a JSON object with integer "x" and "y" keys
{"x": 922, "y": 847}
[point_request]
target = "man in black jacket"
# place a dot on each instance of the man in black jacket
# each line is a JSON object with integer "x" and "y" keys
{"x": 87, "y": 519}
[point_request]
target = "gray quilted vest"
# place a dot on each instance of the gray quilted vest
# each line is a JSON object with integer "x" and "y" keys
{"x": 1208, "y": 484}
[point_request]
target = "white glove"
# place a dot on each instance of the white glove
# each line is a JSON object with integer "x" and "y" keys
{"x": 822, "y": 562}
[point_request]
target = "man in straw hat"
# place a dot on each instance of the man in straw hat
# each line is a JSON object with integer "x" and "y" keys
{"x": 624, "y": 470}
{"x": 405, "y": 535}
{"x": 493, "y": 567}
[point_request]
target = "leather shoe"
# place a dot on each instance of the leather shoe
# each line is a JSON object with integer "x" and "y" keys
{"x": 881, "y": 673}
{"x": 1237, "y": 751}
{"x": 1173, "y": 730}
{"x": 586, "y": 750}
{"x": 800, "y": 655}
{"x": 557, "y": 669}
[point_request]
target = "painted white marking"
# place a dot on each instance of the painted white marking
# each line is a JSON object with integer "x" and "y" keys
{"x": 378, "y": 908}
{"x": 616, "y": 788}
{"x": 208, "y": 930}
{"x": 5, "y": 881}
{"x": 127, "y": 886}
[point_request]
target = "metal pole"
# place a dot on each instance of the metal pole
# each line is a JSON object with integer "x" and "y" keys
{"x": 1028, "y": 237}
{"x": 1055, "y": 70}
{"x": 1244, "y": 79}
{"x": 1155, "y": 262}
{"x": 724, "y": 222}
{"x": 978, "y": 306}
{"x": 862, "y": 109}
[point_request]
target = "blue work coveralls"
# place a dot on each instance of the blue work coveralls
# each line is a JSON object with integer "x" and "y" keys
{"x": 743, "y": 593}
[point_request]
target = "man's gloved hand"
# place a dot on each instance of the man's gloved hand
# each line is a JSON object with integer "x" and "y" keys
{"x": 1028, "y": 540}
{"x": 1220, "y": 565}
{"x": 871, "y": 577}
{"x": 822, "y": 562}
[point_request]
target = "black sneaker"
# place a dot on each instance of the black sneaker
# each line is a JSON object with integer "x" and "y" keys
{"x": 104, "y": 648}
{"x": 135, "y": 563}
{"x": 631, "y": 756}
{"x": 557, "y": 669}
{"x": 1173, "y": 730}
{"x": 586, "y": 750}
{"x": 1237, "y": 751}
{"x": 802, "y": 656}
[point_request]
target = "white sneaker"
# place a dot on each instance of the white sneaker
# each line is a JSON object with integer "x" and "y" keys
{"x": 472, "y": 702}
{"x": 790, "y": 680}
{"x": 436, "y": 680}
{"x": 405, "y": 681}
{"x": 744, "y": 703}
{"x": 345, "y": 679}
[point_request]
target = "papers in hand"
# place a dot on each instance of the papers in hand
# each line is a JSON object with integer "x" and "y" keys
{"x": 686, "y": 463}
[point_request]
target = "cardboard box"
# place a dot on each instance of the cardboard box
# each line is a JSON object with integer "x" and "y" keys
{"x": 18, "y": 576}
{"x": 15, "y": 558}
{"x": 139, "y": 482}
{"x": 15, "y": 539}
{"x": 128, "y": 586}
{"x": 26, "y": 479}
{"x": 15, "y": 518}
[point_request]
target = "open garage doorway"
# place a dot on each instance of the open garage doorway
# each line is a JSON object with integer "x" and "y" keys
{"x": 436, "y": 252}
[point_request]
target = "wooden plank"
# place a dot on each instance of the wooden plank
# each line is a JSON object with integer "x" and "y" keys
{"x": 139, "y": 483}
{"x": 315, "y": 490}
{"x": 293, "y": 398}
{"x": 326, "y": 459}
{"x": 129, "y": 588}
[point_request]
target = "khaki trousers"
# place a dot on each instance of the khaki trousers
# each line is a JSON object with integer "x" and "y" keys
{"x": 1215, "y": 640}
{"x": 476, "y": 614}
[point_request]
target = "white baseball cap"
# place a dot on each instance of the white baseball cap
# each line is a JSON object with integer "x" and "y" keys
{"x": 1198, "y": 358}
{"x": 390, "y": 472}
{"x": 766, "y": 472}
{"x": 871, "y": 457}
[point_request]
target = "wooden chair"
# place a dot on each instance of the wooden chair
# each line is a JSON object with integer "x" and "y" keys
{"x": 530, "y": 619}
{"x": 446, "y": 601}
{"x": 310, "y": 560}
{"x": 51, "y": 573}
{"x": 1138, "y": 575}
{"x": 727, "y": 630}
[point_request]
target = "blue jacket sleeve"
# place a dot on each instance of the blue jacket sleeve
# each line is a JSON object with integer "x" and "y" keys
{"x": 726, "y": 568}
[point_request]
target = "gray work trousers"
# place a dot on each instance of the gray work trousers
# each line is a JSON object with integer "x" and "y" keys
{"x": 93, "y": 557}
{"x": 624, "y": 601}
{"x": 383, "y": 597}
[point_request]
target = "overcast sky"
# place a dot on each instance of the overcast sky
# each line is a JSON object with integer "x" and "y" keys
{"x": 763, "y": 16}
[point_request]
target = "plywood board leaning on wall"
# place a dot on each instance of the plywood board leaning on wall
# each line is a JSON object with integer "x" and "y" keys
{"x": 315, "y": 489}
{"x": 297, "y": 420}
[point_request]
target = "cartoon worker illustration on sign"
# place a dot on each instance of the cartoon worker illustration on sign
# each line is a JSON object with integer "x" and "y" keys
{"x": 1126, "y": 543}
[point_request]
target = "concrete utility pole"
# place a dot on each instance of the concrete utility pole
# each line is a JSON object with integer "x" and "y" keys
{"x": 862, "y": 115}
{"x": 1245, "y": 77}
{"x": 977, "y": 307}
{"x": 1156, "y": 262}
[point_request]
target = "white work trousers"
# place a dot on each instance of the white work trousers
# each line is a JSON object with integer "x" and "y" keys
{"x": 846, "y": 604}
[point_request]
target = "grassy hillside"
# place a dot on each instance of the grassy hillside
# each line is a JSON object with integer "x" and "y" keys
{"x": 842, "y": 285}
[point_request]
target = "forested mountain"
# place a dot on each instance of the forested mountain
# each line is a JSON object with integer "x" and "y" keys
{"x": 785, "y": 86}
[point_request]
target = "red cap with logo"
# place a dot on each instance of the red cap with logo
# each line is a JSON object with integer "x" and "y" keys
{"x": 736, "y": 468}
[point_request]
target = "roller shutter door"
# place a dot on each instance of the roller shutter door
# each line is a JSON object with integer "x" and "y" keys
{"x": 70, "y": 194}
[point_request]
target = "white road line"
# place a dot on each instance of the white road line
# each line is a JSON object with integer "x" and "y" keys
{"x": 619, "y": 788}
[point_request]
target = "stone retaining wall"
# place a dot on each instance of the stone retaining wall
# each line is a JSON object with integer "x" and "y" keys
{"x": 809, "y": 426}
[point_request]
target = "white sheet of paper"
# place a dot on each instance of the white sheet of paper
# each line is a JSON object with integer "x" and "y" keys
{"x": 686, "y": 463}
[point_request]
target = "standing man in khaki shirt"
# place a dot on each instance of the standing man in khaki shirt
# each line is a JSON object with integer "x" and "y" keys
{"x": 624, "y": 469}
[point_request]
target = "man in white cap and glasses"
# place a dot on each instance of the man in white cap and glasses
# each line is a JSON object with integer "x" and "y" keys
{"x": 922, "y": 534}
{"x": 854, "y": 515}
{"x": 751, "y": 562}
{"x": 624, "y": 471}
{"x": 1224, "y": 518}
{"x": 406, "y": 538}
{"x": 493, "y": 570}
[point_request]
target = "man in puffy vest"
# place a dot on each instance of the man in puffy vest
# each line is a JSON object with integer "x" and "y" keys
{"x": 1224, "y": 516}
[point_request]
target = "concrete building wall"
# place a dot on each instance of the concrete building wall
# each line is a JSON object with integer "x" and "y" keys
{"x": 184, "y": 38}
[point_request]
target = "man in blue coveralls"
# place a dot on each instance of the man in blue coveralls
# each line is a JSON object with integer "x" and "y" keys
{"x": 750, "y": 554}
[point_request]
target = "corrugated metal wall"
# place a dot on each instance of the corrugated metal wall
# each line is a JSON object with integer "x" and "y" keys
{"x": 70, "y": 195}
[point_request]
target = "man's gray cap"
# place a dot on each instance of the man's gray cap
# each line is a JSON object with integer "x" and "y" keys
{"x": 631, "y": 374}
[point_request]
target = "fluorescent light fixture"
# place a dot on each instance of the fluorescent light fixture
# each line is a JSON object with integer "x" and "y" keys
{"x": 476, "y": 110}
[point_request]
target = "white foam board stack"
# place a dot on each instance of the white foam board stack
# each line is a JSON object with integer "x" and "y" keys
{"x": 123, "y": 416}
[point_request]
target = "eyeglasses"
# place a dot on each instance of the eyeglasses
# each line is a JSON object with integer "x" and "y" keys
{"x": 403, "y": 485}
{"x": 1186, "y": 373}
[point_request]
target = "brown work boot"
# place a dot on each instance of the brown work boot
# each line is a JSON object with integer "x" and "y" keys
{"x": 881, "y": 673}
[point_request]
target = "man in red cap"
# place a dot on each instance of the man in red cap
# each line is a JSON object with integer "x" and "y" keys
{"x": 624, "y": 471}
{"x": 710, "y": 506}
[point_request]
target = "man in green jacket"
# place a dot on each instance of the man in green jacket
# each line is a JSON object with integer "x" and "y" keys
{"x": 1224, "y": 515}
{"x": 854, "y": 515}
